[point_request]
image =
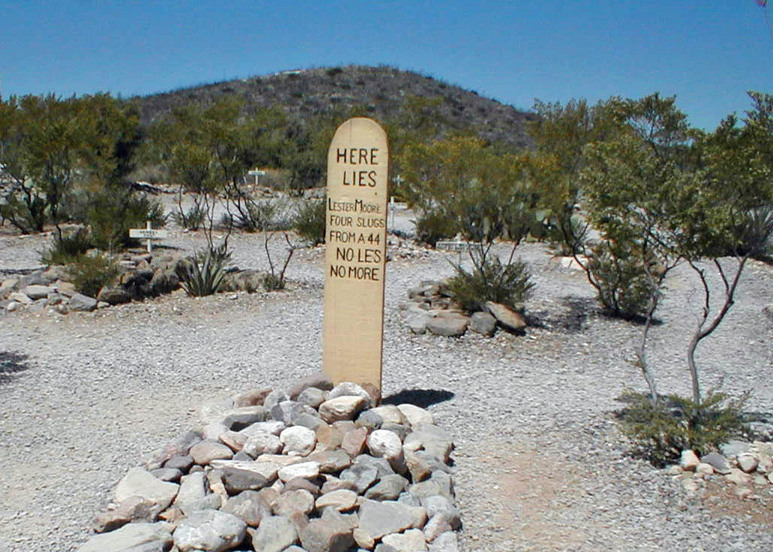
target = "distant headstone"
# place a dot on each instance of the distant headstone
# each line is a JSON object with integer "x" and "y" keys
{"x": 355, "y": 256}
{"x": 148, "y": 234}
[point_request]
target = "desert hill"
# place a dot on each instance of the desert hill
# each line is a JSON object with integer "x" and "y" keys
{"x": 381, "y": 92}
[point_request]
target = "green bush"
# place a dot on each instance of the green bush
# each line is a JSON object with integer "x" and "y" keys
{"x": 28, "y": 216}
{"x": 192, "y": 219}
{"x": 273, "y": 282}
{"x": 68, "y": 248}
{"x": 113, "y": 211}
{"x": 309, "y": 221}
{"x": 435, "y": 225}
{"x": 490, "y": 280}
{"x": 90, "y": 273}
{"x": 661, "y": 432}
{"x": 203, "y": 273}
{"x": 622, "y": 283}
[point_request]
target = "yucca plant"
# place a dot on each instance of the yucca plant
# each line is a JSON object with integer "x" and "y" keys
{"x": 203, "y": 273}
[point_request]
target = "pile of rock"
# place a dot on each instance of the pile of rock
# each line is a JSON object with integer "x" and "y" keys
{"x": 319, "y": 468}
{"x": 746, "y": 465}
{"x": 431, "y": 308}
{"x": 142, "y": 276}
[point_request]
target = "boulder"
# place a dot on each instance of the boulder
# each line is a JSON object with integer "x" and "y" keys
{"x": 274, "y": 534}
{"x": 139, "y": 483}
{"x": 262, "y": 443}
{"x": 410, "y": 541}
{"x": 250, "y": 506}
{"x": 717, "y": 461}
{"x": 292, "y": 502}
{"x": 298, "y": 440}
{"x": 114, "y": 295}
{"x": 341, "y": 408}
{"x": 448, "y": 327}
{"x": 134, "y": 537}
{"x": 36, "y": 292}
{"x": 507, "y": 318}
{"x": 133, "y": 509}
{"x": 82, "y": 303}
{"x": 483, "y": 323}
{"x": 205, "y": 452}
{"x": 382, "y": 518}
{"x": 318, "y": 380}
{"x": 342, "y": 500}
{"x": 209, "y": 530}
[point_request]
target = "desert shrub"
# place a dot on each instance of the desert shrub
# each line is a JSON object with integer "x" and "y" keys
{"x": 90, "y": 273}
{"x": 490, "y": 280}
{"x": 192, "y": 219}
{"x": 203, "y": 273}
{"x": 28, "y": 215}
{"x": 113, "y": 212}
{"x": 272, "y": 282}
{"x": 622, "y": 282}
{"x": 435, "y": 225}
{"x": 660, "y": 432}
{"x": 67, "y": 248}
{"x": 309, "y": 221}
{"x": 260, "y": 216}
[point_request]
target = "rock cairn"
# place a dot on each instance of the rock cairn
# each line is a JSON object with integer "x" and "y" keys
{"x": 431, "y": 308}
{"x": 745, "y": 465}
{"x": 317, "y": 469}
{"x": 142, "y": 276}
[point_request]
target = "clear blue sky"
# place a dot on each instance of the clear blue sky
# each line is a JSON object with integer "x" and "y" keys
{"x": 706, "y": 52}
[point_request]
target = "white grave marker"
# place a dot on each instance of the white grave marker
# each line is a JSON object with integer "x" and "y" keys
{"x": 149, "y": 234}
{"x": 355, "y": 252}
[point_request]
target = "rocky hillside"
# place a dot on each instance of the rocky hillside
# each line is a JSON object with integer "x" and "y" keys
{"x": 379, "y": 91}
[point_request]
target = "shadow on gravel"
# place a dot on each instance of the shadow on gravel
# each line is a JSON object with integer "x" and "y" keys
{"x": 11, "y": 364}
{"x": 571, "y": 318}
{"x": 419, "y": 397}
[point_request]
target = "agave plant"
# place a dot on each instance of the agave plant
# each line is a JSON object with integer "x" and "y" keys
{"x": 203, "y": 273}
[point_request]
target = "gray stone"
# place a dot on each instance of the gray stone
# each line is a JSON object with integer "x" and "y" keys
{"x": 350, "y": 389}
{"x": 133, "y": 509}
{"x": 241, "y": 417}
{"x": 431, "y": 439}
{"x": 274, "y": 398}
{"x": 415, "y": 415}
{"x": 717, "y": 461}
{"x": 178, "y": 447}
{"x": 382, "y": 518}
{"x": 441, "y": 506}
{"x": 293, "y": 502}
{"x": 418, "y": 321}
{"x": 164, "y": 281}
{"x": 193, "y": 487}
{"x": 209, "y": 530}
{"x": 341, "y": 408}
{"x": 275, "y": 427}
{"x": 390, "y": 414}
{"x": 253, "y": 397}
{"x": 167, "y": 474}
{"x": 446, "y": 542}
{"x": 361, "y": 476}
{"x": 250, "y": 506}
{"x": 262, "y": 443}
{"x": 237, "y": 480}
{"x": 299, "y": 483}
{"x": 440, "y": 483}
{"x": 233, "y": 440}
{"x": 370, "y": 420}
{"x": 274, "y": 534}
{"x": 312, "y": 397}
{"x": 320, "y": 535}
{"x": 342, "y": 500}
{"x": 82, "y": 303}
{"x": 448, "y": 327}
{"x": 748, "y": 462}
{"x": 134, "y": 537}
{"x": 180, "y": 462}
{"x": 733, "y": 448}
{"x": 114, "y": 296}
{"x": 388, "y": 488}
{"x": 507, "y": 318}
{"x": 483, "y": 323}
{"x": 331, "y": 461}
{"x": 139, "y": 483}
{"x": 205, "y": 452}
{"x": 298, "y": 440}
{"x": 36, "y": 292}
{"x": 306, "y": 470}
{"x": 410, "y": 541}
{"x": 422, "y": 464}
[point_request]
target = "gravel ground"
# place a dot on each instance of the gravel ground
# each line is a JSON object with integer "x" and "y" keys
{"x": 540, "y": 463}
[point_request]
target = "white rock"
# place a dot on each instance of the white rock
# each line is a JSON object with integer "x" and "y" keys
{"x": 385, "y": 444}
{"x": 305, "y": 470}
{"x": 341, "y": 408}
{"x": 689, "y": 460}
{"x": 298, "y": 440}
{"x": 747, "y": 462}
{"x": 415, "y": 414}
{"x": 138, "y": 482}
{"x": 262, "y": 443}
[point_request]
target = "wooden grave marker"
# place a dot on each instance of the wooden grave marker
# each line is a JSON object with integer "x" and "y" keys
{"x": 355, "y": 252}
{"x": 149, "y": 234}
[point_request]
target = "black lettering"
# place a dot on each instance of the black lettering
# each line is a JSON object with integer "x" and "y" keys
{"x": 340, "y": 155}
